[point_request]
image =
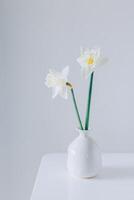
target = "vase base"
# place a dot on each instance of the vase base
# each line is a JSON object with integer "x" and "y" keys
{"x": 88, "y": 176}
{"x": 83, "y": 177}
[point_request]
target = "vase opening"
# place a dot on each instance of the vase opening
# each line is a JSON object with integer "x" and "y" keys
{"x": 83, "y": 132}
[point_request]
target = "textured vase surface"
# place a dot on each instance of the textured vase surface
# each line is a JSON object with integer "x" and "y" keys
{"x": 84, "y": 156}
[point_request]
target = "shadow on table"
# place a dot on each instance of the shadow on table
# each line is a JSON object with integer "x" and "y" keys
{"x": 125, "y": 173}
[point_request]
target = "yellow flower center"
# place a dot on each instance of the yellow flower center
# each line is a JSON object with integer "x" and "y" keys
{"x": 90, "y": 60}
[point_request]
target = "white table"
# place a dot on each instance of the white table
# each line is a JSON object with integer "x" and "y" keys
{"x": 115, "y": 182}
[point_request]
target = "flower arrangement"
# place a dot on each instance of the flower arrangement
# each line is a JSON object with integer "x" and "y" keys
{"x": 89, "y": 59}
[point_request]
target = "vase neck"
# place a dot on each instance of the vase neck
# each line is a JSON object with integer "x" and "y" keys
{"x": 84, "y": 132}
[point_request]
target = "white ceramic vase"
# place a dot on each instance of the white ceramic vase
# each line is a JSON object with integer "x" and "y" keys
{"x": 84, "y": 156}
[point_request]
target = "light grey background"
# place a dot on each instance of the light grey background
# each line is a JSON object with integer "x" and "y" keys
{"x": 36, "y": 35}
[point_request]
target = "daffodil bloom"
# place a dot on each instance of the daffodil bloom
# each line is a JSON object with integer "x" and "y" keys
{"x": 59, "y": 84}
{"x": 57, "y": 81}
{"x": 89, "y": 59}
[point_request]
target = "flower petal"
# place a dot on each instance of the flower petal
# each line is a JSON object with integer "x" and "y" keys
{"x": 82, "y": 60}
{"x": 65, "y": 72}
{"x": 49, "y": 82}
{"x": 64, "y": 93}
{"x": 55, "y": 91}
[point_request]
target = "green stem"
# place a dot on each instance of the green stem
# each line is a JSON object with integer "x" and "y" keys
{"x": 76, "y": 109}
{"x": 89, "y": 102}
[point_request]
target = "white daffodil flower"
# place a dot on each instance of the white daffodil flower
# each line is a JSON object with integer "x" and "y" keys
{"x": 89, "y": 59}
{"x": 57, "y": 81}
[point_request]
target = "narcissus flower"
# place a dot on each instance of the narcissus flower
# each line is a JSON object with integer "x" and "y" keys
{"x": 57, "y": 81}
{"x": 89, "y": 59}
